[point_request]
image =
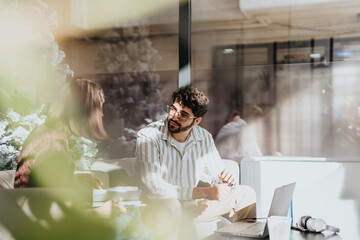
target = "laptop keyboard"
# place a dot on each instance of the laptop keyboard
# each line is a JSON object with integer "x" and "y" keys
{"x": 254, "y": 228}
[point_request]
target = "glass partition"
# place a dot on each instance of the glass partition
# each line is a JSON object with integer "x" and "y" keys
{"x": 134, "y": 58}
{"x": 296, "y": 62}
{"x": 285, "y": 60}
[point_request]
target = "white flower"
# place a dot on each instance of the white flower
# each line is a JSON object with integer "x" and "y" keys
{"x": 66, "y": 69}
{"x": 5, "y": 139}
{"x": 3, "y": 124}
{"x": 12, "y": 149}
{"x": 15, "y": 117}
{"x": 55, "y": 55}
{"x": 84, "y": 151}
{"x": 83, "y": 164}
{"x": 32, "y": 120}
{"x": 20, "y": 134}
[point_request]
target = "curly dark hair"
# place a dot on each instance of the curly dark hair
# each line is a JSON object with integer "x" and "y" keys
{"x": 192, "y": 98}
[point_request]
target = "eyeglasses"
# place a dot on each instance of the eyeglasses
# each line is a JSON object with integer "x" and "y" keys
{"x": 182, "y": 115}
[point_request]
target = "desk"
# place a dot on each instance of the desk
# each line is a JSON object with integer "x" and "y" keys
{"x": 294, "y": 235}
{"x": 324, "y": 189}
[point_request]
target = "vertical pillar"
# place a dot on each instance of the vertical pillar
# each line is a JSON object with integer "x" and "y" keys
{"x": 184, "y": 43}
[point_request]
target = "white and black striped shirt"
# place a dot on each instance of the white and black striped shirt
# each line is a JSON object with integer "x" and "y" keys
{"x": 165, "y": 171}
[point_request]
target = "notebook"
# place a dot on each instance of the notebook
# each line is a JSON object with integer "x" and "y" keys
{"x": 127, "y": 193}
{"x": 130, "y": 196}
{"x": 279, "y": 207}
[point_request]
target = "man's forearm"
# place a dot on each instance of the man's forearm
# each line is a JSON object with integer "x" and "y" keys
{"x": 216, "y": 192}
{"x": 200, "y": 192}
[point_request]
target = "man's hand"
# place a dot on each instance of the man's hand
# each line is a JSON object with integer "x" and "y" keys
{"x": 226, "y": 176}
{"x": 217, "y": 192}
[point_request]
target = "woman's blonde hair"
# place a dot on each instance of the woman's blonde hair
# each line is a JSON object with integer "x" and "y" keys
{"x": 77, "y": 109}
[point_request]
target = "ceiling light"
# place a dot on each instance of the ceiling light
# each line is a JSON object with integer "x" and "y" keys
{"x": 315, "y": 55}
{"x": 228, "y": 50}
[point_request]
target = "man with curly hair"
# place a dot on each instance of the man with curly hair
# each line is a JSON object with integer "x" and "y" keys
{"x": 181, "y": 170}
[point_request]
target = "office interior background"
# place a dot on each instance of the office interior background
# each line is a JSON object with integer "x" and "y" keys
{"x": 298, "y": 60}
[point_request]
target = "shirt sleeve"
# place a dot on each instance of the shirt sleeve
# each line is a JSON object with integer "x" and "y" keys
{"x": 151, "y": 172}
{"x": 214, "y": 163}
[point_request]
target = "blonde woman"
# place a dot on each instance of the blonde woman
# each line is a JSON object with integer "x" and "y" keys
{"x": 45, "y": 162}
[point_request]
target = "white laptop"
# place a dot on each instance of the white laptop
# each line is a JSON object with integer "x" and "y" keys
{"x": 279, "y": 207}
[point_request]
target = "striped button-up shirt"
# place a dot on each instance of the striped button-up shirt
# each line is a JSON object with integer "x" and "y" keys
{"x": 165, "y": 171}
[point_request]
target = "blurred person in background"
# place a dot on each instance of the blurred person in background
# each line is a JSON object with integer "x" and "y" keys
{"x": 342, "y": 139}
{"x": 236, "y": 139}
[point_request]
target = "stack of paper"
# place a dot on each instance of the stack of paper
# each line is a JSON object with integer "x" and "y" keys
{"x": 130, "y": 196}
{"x": 126, "y": 204}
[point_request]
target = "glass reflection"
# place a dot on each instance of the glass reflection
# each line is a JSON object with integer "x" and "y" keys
{"x": 307, "y": 90}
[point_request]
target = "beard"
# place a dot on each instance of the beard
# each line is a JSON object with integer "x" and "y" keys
{"x": 178, "y": 128}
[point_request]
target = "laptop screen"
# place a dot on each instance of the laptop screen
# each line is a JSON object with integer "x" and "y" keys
{"x": 282, "y": 200}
